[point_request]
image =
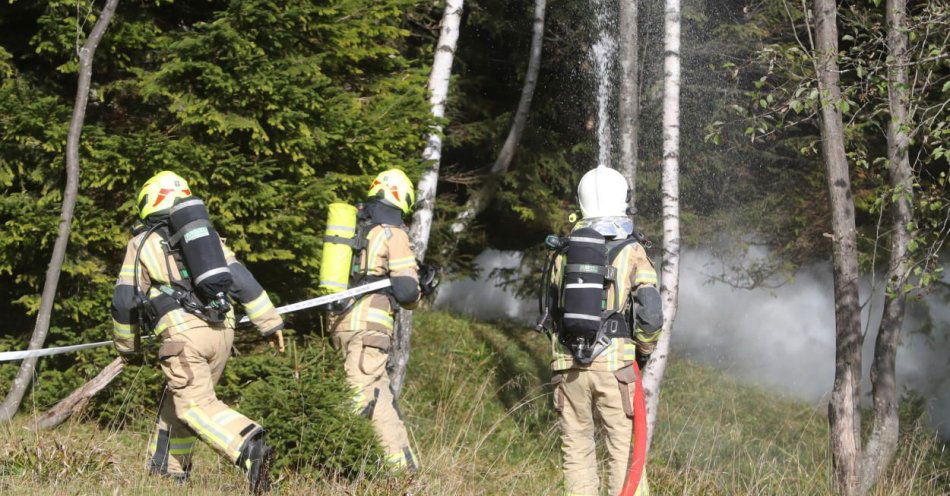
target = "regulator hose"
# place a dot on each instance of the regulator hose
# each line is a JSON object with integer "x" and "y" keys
{"x": 638, "y": 457}
{"x": 544, "y": 294}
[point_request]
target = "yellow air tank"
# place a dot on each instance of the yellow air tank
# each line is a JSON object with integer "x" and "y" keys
{"x": 338, "y": 245}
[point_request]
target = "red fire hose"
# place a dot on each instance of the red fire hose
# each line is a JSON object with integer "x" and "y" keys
{"x": 639, "y": 456}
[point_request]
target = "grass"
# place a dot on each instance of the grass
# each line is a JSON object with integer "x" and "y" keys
{"x": 479, "y": 411}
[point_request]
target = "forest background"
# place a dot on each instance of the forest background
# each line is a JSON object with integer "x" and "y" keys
{"x": 273, "y": 110}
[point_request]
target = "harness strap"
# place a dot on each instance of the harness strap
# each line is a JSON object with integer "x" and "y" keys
{"x": 177, "y": 293}
{"x": 351, "y": 242}
{"x": 609, "y": 272}
{"x": 615, "y": 327}
{"x": 615, "y": 247}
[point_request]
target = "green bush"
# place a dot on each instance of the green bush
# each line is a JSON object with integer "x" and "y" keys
{"x": 304, "y": 403}
{"x": 301, "y": 397}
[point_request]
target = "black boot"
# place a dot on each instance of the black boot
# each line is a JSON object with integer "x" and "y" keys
{"x": 255, "y": 459}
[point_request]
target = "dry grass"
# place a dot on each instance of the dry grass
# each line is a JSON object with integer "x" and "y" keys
{"x": 479, "y": 412}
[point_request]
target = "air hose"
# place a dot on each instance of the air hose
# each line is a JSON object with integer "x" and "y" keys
{"x": 638, "y": 457}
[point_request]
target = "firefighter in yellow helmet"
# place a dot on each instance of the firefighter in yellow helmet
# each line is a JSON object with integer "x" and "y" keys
{"x": 176, "y": 284}
{"x": 604, "y": 310}
{"x": 364, "y": 330}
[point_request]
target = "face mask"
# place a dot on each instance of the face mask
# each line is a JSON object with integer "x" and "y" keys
{"x": 610, "y": 227}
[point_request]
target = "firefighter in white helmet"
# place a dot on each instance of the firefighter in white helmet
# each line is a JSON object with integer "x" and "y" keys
{"x": 593, "y": 375}
{"x": 161, "y": 291}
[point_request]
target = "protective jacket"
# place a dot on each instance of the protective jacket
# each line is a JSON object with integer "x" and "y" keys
{"x": 634, "y": 270}
{"x": 388, "y": 253}
{"x": 159, "y": 267}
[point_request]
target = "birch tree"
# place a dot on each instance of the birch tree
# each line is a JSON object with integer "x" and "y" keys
{"x": 86, "y": 53}
{"x": 669, "y": 276}
{"x": 426, "y": 188}
{"x": 629, "y": 111}
{"x": 481, "y": 197}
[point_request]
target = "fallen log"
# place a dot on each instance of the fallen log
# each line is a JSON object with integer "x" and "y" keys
{"x": 78, "y": 398}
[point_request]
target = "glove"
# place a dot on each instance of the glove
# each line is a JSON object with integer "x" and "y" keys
{"x": 642, "y": 359}
{"x": 429, "y": 278}
{"x": 276, "y": 340}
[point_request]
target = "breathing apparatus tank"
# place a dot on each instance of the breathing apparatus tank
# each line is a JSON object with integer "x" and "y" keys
{"x": 584, "y": 276}
{"x": 201, "y": 249}
{"x": 578, "y": 314}
{"x": 338, "y": 246}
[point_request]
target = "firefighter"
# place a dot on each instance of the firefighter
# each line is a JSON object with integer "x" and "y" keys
{"x": 363, "y": 332}
{"x": 592, "y": 382}
{"x": 156, "y": 294}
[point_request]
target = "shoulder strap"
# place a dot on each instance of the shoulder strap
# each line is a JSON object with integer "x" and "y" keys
{"x": 167, "y": 243}
{"x": 359, "y": 244}
{"x": 138, "y": 255}
{"x": 614, "y": 249}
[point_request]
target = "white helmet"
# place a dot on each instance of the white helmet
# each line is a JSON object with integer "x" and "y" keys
{"x": 602, "y": 192}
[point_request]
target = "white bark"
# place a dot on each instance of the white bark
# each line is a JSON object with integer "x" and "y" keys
{"x": 425, "y": 191}
{"x": 439, "y": 90}
{"x": 669, "y": 278}
{"x": 481, "y": 197}
{"x": 86, "y": 53}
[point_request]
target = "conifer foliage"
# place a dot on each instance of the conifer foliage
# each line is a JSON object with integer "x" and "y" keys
{"x": 271, "y": 110}
{"x": 306, "y": 407}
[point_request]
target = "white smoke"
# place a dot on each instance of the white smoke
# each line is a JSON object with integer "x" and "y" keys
{"x": 781, "y": 338}
{"x": 483, "y": 297}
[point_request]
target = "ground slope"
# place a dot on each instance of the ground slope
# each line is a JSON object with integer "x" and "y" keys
{"x": 478, "y": 407}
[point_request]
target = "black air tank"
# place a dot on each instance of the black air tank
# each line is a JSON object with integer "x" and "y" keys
{"x": 584, "y": 276}
{"x": 200, "y": 247}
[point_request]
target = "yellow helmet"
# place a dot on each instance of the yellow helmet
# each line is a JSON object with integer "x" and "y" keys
{"x": 394, "y": 187}
{"x": 160, "y": 192}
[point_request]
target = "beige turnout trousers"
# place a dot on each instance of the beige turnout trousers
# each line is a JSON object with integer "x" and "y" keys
{"x": 579, "y": 396}
{"x": 192, "y": 362}
{"x": 365, "y": 356}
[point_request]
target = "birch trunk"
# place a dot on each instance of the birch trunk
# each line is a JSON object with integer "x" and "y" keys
{"x": 481, "y": 197}
{"x": 843, "y": 409}
{"x": 669, "y": 278}
{"x": 15, "y": 396}
{"x": 882, "y": 443}
{"x": 425, "y": 191}
{"x": 629, "y": 94}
